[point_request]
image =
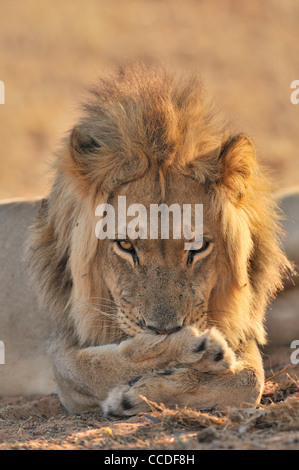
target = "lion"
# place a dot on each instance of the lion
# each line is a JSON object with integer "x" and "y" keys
{"x": 132, "y": 318}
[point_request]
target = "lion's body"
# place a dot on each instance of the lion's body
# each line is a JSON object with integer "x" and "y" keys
{"x": 282, "y": 322}
{"x": 24, "y": 326}
{"x": 154, "y": 310}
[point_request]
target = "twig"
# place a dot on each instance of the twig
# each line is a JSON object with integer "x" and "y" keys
{"x": 295, "y": 381}
{"x": 278, "y": 373}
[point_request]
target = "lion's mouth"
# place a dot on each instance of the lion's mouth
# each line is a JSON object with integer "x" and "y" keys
{"x": 164, "y": 332}
{"x": 130, "y": 326}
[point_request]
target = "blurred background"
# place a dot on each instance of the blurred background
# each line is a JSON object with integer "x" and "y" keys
{"x": 51, "y": 50}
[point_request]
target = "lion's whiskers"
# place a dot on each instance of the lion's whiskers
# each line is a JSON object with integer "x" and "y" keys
{"x": 98, "y": 305}
{"x": 95, "y": 314}
{"x": 109, "y": 318}
{"x": 106, "y": 299}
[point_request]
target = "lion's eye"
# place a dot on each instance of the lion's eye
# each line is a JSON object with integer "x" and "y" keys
{"x": 125, "y": 245}
{"x": 193, "y": 253}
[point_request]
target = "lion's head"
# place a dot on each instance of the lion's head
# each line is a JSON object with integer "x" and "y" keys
{"x": 152, "y": 138}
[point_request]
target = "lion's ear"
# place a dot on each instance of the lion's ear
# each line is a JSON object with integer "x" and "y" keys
{"x": 95, "y": 166}
{"x": 81, "y": 160}
{"x": 237, "y": 160}
{"x": 82, "y": 144}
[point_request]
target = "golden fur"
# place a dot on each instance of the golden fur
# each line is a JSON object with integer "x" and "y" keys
{"x": 148, "y": 134}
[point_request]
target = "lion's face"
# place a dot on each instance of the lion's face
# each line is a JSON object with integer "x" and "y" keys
{"x": 158, "y": 285}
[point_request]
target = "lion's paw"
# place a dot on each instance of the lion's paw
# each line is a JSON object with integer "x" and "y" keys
{"x": 121, "y": 403}
{"x": 207, "y": 351}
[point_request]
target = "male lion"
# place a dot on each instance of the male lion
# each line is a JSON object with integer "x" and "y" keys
{"x": 145, "y": 317}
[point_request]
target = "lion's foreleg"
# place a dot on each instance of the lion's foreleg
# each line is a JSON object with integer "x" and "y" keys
{"x": 86, "y": 376}
{"x": 188, "y": 386}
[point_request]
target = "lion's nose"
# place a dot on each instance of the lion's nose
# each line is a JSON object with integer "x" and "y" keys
{"x": 164, "y": 332}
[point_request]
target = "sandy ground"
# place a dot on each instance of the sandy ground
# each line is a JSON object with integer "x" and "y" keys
{"x": 38, "y": 423}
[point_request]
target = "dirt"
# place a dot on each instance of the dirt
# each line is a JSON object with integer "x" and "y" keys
{"x": 39, "y": 423}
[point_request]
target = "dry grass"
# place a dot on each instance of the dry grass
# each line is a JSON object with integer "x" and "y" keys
{"x": 283, "y": 415}
{"x": 50, "y": 50}
{"x": 38, "y": 423}
{"x": 279, "y": 409}
{"x": 186, "y": 417}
